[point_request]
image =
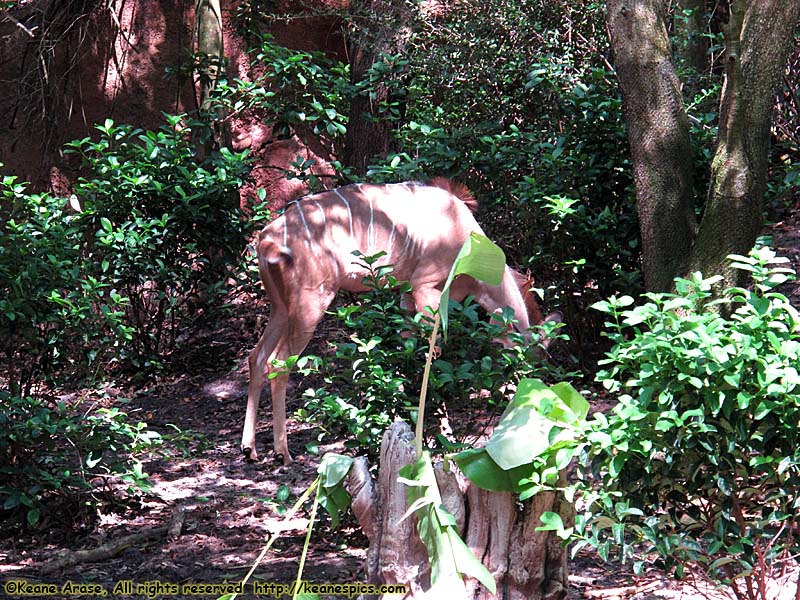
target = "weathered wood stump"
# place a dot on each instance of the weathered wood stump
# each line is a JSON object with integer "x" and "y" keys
{"x": 526, "y": 564}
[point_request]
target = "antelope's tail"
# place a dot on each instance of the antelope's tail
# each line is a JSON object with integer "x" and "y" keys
{"x": 458, "y": 189}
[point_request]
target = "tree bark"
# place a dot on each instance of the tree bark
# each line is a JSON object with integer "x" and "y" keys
{"x": 526, "y": 564}
{"x": 210, "y": 45}
{"x": 658, "y": 133}
{"x": 759, "y": 40}
{"x": 211, "y": 48}
{"x": 379, "y": 30}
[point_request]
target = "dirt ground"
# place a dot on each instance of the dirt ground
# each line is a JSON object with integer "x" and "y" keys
{"x": 230, "y": 507}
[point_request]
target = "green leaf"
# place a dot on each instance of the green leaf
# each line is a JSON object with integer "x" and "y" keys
{"x": 447, "y": 552}
{"x": 480, "y": 258}
{"x": 33, "y": 516}
{"x": 334, "y": 468}
{"x": 524, "y": 429}
{"x": 552, "y": 521}
{"x": 480, "y": 469}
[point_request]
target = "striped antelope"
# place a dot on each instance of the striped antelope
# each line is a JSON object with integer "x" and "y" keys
{"x": 305, "y": 257}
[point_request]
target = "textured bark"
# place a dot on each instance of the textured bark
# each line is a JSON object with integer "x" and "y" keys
{"x": 759, "y": 40}
{"x": 526, "y": 564}
{"x": 210, "y": 44}
{"x": 658, "y": 133}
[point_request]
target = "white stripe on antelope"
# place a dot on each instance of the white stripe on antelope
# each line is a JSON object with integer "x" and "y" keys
{"x": 420, "y": 227}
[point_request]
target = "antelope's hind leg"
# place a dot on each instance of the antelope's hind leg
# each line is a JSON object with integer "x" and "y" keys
{"x": 275, "y": 330}
{"x": 302, "y": 324}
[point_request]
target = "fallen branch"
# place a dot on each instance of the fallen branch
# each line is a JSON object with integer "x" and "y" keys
{"x": 107, "y": 550}
{"x": 111, "y": 549}
{"x": 621, "y": 592}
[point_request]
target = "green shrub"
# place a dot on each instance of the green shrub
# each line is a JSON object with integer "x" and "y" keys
{"x": 701, "y": 456}
{"x": 375, "y": 374}
{"x": 145, "y": 246}
{"x": 163, "y": 227}
{"x": 50, "y": 451}
{"x": 54, "y": 316}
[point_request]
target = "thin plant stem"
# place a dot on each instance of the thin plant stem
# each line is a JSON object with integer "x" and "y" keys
{"x": 424, "y": 389}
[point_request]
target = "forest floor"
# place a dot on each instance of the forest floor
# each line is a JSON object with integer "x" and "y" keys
{"x": 230, "y": 506}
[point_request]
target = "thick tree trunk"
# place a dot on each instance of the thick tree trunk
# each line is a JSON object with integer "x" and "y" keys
{"x": 379, "y": 30}
{"x": 658, "y": 133}
{"x": 526, "y": 564}
{"x": 759, "y": 40}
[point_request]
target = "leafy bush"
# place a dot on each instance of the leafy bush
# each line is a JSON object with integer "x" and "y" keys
{"x": 296, "y": 91}
{"x": 52, "y": 450}
{"x": 376, "y": 374}
{"x": 163, "y": 227}
{"x": 701, "y": 456}
{"x": 53, "y": 314}
{"x": 144, "y": 246}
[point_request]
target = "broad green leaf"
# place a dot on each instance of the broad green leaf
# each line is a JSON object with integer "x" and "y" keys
{"x": 523, "y": 432}
{"x": 479, "y": 258}
{"x": 334, "y": 468}
{"x": 332, "y": 495}
{"x": 573, "y": 399}
{"x": 480, "y": 469}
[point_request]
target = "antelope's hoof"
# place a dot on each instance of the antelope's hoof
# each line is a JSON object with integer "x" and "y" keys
{"x": 249, "y": 454}
{"x": 285, "y": 458}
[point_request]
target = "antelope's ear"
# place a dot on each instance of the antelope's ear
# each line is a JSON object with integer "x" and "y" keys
{"x": 553, "y": 317}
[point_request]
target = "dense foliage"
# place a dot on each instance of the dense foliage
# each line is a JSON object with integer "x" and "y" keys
{"x": 167, "y": 227}
{"x": 373, "y": 370}
{"x": 700, "y": 456}
{"x": 527, "y": 116}
{"x": 106, "y": 278}
{"x": 51, "y": 452}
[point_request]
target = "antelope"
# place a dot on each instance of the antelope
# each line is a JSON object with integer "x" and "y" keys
{"x": 305, "y": 258}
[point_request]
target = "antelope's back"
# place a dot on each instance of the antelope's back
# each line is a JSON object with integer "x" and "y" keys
{"x": 411, "y": 222}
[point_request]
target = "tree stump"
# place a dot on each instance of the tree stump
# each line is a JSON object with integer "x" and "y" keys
{"x": 526, "y": 564}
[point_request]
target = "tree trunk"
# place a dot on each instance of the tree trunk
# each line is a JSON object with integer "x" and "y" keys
{"x": 658, "y": 133}
{"x": 210, "y": 46}
{"x": 526, "y": 564}
{"x": 759, "y": 40}
{"x": 379, "y": 24}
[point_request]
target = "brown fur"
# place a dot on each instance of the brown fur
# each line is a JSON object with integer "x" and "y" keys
{"x": 525, "y": 283}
